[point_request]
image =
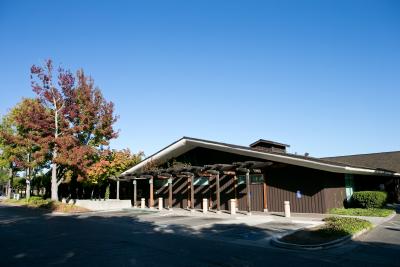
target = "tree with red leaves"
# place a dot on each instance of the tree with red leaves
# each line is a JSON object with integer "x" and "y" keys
{"x": 81, "y": 120}
{"x": 25, "y": 142}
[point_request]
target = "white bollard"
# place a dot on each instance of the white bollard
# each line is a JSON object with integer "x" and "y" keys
{"x": 160, "y": 203}
{"x": 287, "y": 208}
{"x": 233, "y": 206}
{"x": 142, "y": 203}
{"x": 205, "y": 207}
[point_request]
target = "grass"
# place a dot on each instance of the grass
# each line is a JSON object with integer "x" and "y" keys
{"x": 39, "y": 202}
{"x": 362, "y": 212}
{"x": 334, "y": 228}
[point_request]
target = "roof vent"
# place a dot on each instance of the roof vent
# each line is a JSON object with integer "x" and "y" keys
{"x": 269, "y": 146}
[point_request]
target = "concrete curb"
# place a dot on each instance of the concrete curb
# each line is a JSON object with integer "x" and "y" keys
{"x": 340, "y": 241}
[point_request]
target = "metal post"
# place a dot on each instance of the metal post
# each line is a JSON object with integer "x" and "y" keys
{"x": 248, "y": 193}
{"x": 117, "y": 189}
{"x": 218, "y": 194}
{"x": 170, "y": 193}
{"x": 134, "y": 193}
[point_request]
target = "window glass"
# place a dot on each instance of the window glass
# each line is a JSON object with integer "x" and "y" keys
{"x": 349, "y": 183}
{"x": 256, "y": 179}
{"x": 200, "y": 181}
{"x": 241, "y": 179}
{"x": 158, "y": 183}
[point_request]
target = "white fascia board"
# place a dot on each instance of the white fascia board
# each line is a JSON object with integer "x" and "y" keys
{"x": 184, "y": 145}
{"x": 165, "y": 153}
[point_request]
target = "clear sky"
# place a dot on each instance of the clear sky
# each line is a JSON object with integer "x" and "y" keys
{"x": 322, "y": 76}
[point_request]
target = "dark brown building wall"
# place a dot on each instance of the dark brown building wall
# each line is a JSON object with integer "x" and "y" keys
{"x": 319, "y": 190}
{"x": 334, "y": 191}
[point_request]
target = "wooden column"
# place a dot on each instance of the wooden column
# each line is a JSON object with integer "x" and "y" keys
{"x": 151, "y": 199}
{"x": 218, "y": 193}
{"x": 117, "y": 189}
{"x": 134, "y": 193}
{"x": 170, "y": 193}
{"x": 248, "y": 192}
{"x": 192, "y": 192}
{"x": 265, "y": 195}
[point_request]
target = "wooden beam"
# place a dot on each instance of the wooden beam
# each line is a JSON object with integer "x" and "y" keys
{"x": 265, "y": 196}
{"x": 170, "y": 193}
{"x": 151, "y": 200}
{"x": 192, "y": 192}
{"x": 218, "y": 193}
{"x": 248, "y": 192}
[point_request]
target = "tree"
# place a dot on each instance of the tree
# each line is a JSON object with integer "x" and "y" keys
{"x": 111, "y": 164}
{"x": 24, "y": 142}
{"x": 82, "y": 120}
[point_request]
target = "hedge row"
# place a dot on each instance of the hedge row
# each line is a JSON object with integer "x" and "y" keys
{"x": 368, "y": 199}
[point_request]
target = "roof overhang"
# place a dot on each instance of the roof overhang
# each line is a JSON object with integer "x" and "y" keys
{"x": 186, "y": 144}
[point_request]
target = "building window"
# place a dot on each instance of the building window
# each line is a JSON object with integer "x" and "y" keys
{"x": 158, "y": 183}
{"x": 201, "y": 181}
{"x": 254, "y": 179}
{"x": 241, "y": 179}
{"x": 349, "y": 184}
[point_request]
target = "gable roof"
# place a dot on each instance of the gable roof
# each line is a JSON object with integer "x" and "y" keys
{"x": 384, "y": 160}
{"x": 186, "y": 144}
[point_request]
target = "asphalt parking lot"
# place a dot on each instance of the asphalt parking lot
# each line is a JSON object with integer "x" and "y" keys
{"x": 251, "y": 230}
{"x": 144, "y": 238}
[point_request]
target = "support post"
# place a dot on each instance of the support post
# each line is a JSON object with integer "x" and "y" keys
{"x": 117, "y": 189}
{"x": 205, "y": 205}
{"x": 160, "y": 203}
{"x": 287, "y": 208}
{"x": 218, "y": 193}
{"x": 170, "y": 193}
{"x": 134, "y": 193}
{"x": 248, "y": 193}
{"x": 142, "y": 203}
{"x": 192, "y": 192}
{"x": 151, "y": 199}
{"x": 233, "y": 206}
{"x": 265, "y": 189}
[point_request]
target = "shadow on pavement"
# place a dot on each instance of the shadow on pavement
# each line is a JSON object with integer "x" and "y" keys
{"x": 37, "y": 238}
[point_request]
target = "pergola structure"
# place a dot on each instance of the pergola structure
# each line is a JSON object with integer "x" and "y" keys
{"x": 237, "y": 168}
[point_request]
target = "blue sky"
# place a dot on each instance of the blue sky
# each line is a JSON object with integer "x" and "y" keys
{"x": 323, "y": 76}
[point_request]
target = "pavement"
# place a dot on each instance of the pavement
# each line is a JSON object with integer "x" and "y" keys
{"x": 178, "y": 238}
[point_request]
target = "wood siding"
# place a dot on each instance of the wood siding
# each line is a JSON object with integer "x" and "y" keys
{"x": 320, "y": 191}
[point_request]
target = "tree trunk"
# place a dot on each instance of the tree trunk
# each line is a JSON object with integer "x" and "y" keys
{"x": 54, "y": 185}
{"x": 9, "y": 184}
{"x": 28, "y": 189}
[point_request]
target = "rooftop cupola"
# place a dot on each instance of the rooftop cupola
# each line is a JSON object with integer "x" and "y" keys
{"x": 269, "y": 146}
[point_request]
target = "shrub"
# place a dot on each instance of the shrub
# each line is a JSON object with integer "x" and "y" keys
{"x": 341, "y": 226}
{"x": 368, "y": 199}
{"x": 362, "y": 212}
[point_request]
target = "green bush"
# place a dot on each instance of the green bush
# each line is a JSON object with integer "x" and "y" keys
{"x": 368, "y": 199}
{"x": 341, "y": 226}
